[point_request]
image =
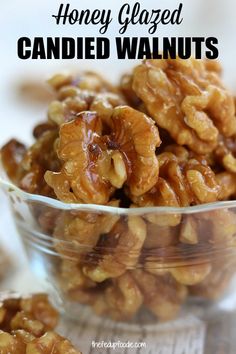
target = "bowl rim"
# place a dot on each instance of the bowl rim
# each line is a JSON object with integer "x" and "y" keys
{"x": 57, "y": 204}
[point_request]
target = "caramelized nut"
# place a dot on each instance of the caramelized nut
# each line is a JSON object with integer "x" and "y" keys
{"x": 186, "y": 98}
{"x": 95, "y": 164}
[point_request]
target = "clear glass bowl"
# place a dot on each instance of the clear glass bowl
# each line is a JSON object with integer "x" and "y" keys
{"x": 126, "y": 263}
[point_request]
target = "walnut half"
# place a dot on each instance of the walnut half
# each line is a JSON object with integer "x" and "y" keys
{"x": 26, "y": 326}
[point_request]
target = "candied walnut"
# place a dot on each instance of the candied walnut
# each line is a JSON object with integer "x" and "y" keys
{"x": 216, "y": 283}
{"x": 87, "y": 92}
{"x": 51, "y": 343}
{"x": 47, "y": 218}
{"x": 82, "y": 230}
{"x": 86, "y": 296}
{"x": 104, "y": 104}
{"x": 214, "y": 66}
{"x": 164, "y": 220}
{"x": 181, "y": 153}
{"x": 120, "y": 250}
{"x": 74, "y": 229}
{"x": 191, "y": 274}
{"x": 36, "y": 160}
{"x": 42, "y": 128}
{"x": 225, "y": 153}
{"x": 9, "y": 344}
{"x": 42, "y": 152}
{"x": 229, "y": 162}
{"x": 78, "y": 179}
{"x": 72, "y": 277}
{"x": 209, "y": 229}
{"x": 29, "y": 311}
{"x": 94, "y": 164}
{"x": 223, "y": 226}
{"x": 189, "y": 230}
{"x": 192, "y": 229}
{"x": 138, "y": 139}
{"x": 181, "y": 183}
{"x": 194, "y": 181}
{"x": 87, "y": 80}
{"x": 92, "y": 81}
{"x": 185, "y": 272}
{"x": 11, "y": 156}
{"x": 163, "y": 296}
{"x": 174, "y": 260}
{"x": 23, "y": 336}
{"x": 159, "y": 242}
{"x": 187, "y": 98}
{"x": 160, "y": 236}
{"x": 40, "y": 308}
{"x": 93, "y": 149}
{"x": 73, "y": 101}
{"x": 127, "y": 90}
{"x": 59, "y": 80}
{"x": 227, "y": 183}
{"x": 121, "y": 300}
{"x": 26, "y": 322}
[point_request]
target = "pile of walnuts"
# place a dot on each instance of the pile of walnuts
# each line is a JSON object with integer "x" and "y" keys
{"x": 26, "y": 326}
{"x": 166, "y": 136}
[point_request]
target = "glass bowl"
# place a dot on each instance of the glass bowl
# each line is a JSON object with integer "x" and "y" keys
{"x": 125, "y": 264}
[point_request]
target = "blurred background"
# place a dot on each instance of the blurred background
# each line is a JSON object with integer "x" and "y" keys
{"x": 21, "y": 109}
